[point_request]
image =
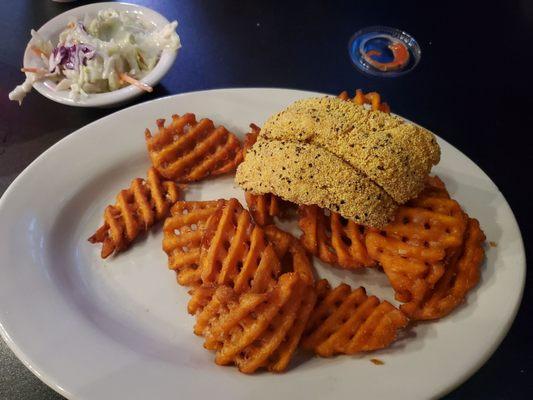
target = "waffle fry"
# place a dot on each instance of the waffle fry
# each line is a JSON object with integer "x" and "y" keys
{"x": 250, "y": 139}
{"x": 256, "y": 330}
{"x": 461, "y": 275}
{"x": 233, "y": 251}
{"x": 200, "y": 298}
{"x": 182, "y": 237}
{"x": 136, "y": 209}
{"x": 264, "y": 207}
{"x": 236, "y": 253}
{"x": 347, "y": 322}
{"x": 372, "y": 98}
{"x": 291, "y": 253}
{"x": 415, "y": 249}
{"x": 187, "y": 150}
{"x": 283, "y": 354}
{"x": 332, "y": 238}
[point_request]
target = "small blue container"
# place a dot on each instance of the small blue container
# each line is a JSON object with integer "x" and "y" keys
{"x": 384, "y": 51}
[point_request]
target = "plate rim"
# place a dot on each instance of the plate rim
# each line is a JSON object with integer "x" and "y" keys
{"x": 53, "y": 384}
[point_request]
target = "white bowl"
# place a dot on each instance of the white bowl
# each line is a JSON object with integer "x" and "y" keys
{"x": 56, "y": 25}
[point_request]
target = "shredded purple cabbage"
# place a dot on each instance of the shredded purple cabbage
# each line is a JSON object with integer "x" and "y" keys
{"x": 70, "y": 56}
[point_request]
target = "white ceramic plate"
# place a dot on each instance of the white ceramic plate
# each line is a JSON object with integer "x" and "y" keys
{"x": 94, "y": 329}
{"x": 56, "y": 25}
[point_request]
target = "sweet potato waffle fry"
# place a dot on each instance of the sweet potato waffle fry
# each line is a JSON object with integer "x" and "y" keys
{"x": 187, "y": 150}
{"x": 372, "y": 98}
{"x": 416, "y": 249}
{"x": 183, "y": 231}
{"x": 264, "y": 207}
{"x": 332, "y": 238}
{"x": 461, "y": 275}
{"x": 250, "y": 138}
{"x": 291, "y": 253}
{"x": 348, "y": 322}
{"x": 200, "y": 297}
{"x": 136, "y": 209}
{"x": 236, "y": 252}
{"x": 255, "y": 330}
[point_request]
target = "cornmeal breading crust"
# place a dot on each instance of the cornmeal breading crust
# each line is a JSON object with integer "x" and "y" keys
{"x": 307, "y": 174}
{"x": 395, "y": 154}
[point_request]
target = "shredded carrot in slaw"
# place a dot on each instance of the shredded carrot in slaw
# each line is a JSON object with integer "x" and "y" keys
{"x": 37, "y": 51}
{"x": 34, "y": 70}
{"x": 132, "y": 81}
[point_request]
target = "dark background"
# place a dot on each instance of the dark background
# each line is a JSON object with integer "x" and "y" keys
{"x": 472, "y": 87}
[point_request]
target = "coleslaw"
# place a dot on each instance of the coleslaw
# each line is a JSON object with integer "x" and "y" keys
{"x": 98, "y": 55}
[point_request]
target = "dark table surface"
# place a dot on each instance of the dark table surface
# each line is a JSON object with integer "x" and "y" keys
{"x": 472, "y": 87}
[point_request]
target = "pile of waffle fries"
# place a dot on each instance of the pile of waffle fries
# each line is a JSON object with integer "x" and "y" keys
{"x": 252, "y": 285}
